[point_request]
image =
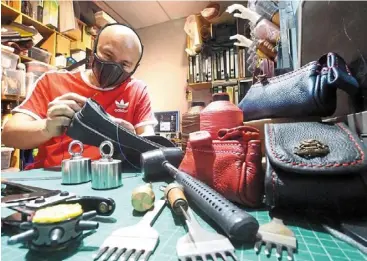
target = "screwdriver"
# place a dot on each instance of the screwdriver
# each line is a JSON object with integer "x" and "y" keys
{"x": 175, "y": 196}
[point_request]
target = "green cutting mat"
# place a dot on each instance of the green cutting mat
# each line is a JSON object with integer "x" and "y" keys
{"x": 313, "y": 244}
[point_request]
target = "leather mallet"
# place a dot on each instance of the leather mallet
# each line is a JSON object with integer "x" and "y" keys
{"x": 235, "y": 222}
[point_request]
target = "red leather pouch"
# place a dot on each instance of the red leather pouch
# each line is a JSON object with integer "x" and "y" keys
{"x": 231, "y": 165}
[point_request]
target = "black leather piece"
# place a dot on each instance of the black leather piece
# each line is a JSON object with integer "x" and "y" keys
{"x": 335, "y": 183}
{"x": 92, "y": 125}
{"x": 308, "y": 91}
{"x": 347, "y": 153}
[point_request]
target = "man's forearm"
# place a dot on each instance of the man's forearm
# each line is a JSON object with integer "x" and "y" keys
{"x": 24, "y": 135}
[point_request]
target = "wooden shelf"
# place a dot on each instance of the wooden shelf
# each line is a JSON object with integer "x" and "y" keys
{"x": 66, "y": 36}
{"x": 248, "y": 79}
{"x": 40, "y": 27}
{"x": 8, "y": 12}
{"x": 51, "y": 36}
{"x": 12, "y": 98}
{"x": 208, "y": 85}
{"x": 200, "y": 85}
{"x": 24, "y": 58}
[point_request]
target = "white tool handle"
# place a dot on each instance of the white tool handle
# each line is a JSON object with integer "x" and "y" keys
{"x": 150, "y": 216}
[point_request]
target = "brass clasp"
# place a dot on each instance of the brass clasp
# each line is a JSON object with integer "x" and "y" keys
{"x": 311, "y": 149}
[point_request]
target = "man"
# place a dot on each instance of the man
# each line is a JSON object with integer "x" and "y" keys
{"x": 40, "y": 121}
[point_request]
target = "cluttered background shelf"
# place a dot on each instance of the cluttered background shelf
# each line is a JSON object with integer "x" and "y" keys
{"x": 215, "y": 64}
{"x": 39, "y": 36}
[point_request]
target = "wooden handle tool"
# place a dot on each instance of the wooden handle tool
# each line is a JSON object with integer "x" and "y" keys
{"x": 174, "y": 194}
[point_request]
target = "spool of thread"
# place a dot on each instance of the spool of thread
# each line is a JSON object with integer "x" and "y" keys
{"x": 191, "y": 121}
{"x": 220, "y": 114}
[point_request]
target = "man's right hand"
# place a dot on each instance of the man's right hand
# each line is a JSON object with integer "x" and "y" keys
{"x": 61, "y": 111}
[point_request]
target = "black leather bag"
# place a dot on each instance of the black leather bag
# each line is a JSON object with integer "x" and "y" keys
{"x": 314, "y": 166}
{"x": 308, "y": 91}
{"x": 92, "y": 125}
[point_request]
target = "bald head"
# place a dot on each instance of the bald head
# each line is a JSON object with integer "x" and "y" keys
{"x": 119, "y": 44}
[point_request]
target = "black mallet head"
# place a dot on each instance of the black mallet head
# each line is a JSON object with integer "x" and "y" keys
{"x": 152, "y": 162}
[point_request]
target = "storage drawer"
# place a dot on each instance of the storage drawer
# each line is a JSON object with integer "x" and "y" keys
{"x": 9, "y": 60}
{"x": 62, "y": 45}
{"x": 38, "y": 68}
{"x": 75, "y": 33}
{"x": 85, "y": 42}
{"x": 39, "y": 55}
{"x": 13, "y": 82}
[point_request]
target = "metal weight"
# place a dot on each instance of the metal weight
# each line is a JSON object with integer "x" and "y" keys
{"x": 77, "y": 169}
{"x": 106, "y": 172}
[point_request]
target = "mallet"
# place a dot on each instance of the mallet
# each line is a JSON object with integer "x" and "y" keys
{"x": 235, "y": 222}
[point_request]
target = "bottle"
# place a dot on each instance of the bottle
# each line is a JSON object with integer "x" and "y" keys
{"x": 220, "y": 114}
{"x": 191, "y": 121}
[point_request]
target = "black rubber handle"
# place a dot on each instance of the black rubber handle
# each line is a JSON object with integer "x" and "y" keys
{"x": 235, "y": 222}
{"x": 103, "y": 206}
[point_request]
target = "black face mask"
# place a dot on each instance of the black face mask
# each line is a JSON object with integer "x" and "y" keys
{"x": 109, "y": 74}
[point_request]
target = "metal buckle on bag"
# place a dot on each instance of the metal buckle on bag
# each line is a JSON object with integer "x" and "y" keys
{"x": 311, "y": 149}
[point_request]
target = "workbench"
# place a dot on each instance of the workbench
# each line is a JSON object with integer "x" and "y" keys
{"x": 313, "y": 243}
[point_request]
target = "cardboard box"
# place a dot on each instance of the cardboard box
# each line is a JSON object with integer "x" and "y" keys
{"x": 62, "y": 45}
{"x": 103, "y": 18}
{"x": 84, "y": 42}
{"x": 51, "y": 13}
{"x": 75, "y": 33}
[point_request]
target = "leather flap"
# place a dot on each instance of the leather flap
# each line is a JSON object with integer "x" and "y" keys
{"x": 314, "y": 148}
{"x": 199, "y": 139}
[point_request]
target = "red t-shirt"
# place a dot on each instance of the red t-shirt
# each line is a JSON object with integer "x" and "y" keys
{"x": 129, "y": 102}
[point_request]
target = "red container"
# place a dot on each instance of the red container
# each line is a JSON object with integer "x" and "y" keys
{"x": 220, "y": 114}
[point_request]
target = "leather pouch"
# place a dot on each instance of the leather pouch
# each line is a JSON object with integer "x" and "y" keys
{"x": 230, "y": 165}
{"x": 92, "y": 125}
{"x": 315, "y": 166}
{"x": 308, "y": 91}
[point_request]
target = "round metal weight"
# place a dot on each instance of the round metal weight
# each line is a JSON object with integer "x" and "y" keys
{"x": 77, "y": 169}
{"x": 106, "y": 172}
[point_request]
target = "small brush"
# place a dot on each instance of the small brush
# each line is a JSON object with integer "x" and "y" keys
{"x": 276, "y": 233}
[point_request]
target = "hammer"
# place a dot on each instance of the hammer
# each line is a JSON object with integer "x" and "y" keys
{"x": 235, "y": 222}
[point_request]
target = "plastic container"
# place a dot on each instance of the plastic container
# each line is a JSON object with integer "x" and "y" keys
{"x": 13, "y": 82}
{"x": 191, "y": 121}
{"x": 6, "y": 114}
{"x": 6, "y": 157}
{"x": 9, "y": 60}
{"x": 38, "y": 68}
{"x": 30, "y": 80}
{"x": 39, "y": 54}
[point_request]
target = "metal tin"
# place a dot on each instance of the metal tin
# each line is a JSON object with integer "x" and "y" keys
{"x": 77, "y": 169}
{"x": 106, "y": 172}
